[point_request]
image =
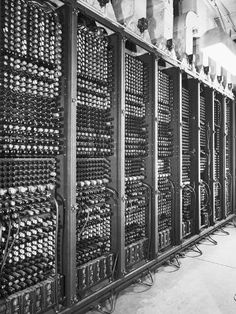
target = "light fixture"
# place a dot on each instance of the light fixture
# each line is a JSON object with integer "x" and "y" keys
{"x": 217, "y": 45}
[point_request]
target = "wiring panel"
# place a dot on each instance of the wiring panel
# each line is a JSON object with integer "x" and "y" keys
{"x": 136, "y": 149}
{"x": 165, "y": 153}
{"x": 205, "y": 193}
{"x": 188, "y": 190}
{"x": 94, "y": 147}
{"x": 218, "y": 156}
{"x": 30, "y": 141}
{"x": 229, "y": 158}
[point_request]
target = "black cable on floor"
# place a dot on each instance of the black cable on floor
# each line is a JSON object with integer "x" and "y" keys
{"x": 145, "y": 283}
{"x": 175, "y": 263}
{"x": 196, "y": 250}
{"x": 112, "y": 300}
{"x": 209, "y": 238}
{"x": 222, "y": 231}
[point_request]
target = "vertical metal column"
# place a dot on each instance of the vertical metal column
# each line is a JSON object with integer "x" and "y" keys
{"x": 116, "y": 158}
{"x": 194, "y": 88}
{"x": 121, "y": 156}
{"x": 233, "y": 155}
{"x": 151, "y": 160}
{"x": 212, "y": 149}
{"x": 155, "y": 160}
{"x": 70, "y": 101}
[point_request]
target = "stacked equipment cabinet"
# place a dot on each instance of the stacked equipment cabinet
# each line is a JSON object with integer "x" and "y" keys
{"x": 112, "y": 158}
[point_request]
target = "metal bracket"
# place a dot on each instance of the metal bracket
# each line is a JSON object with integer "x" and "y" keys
{"x": 74, "y": 207}
{"x": 123, "y": 198}
{"x": 75, "y": 11}
{"x": 74, "y": 101}
{"x": 124, "y": 273}
{"x": 74, "y": 299}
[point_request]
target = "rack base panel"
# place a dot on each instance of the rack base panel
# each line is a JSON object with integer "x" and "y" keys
{"x": 102, "y": 294}
{"x": 34, "y": 300}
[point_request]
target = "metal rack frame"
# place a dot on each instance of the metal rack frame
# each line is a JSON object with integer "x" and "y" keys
{"x": 121, "y": 34}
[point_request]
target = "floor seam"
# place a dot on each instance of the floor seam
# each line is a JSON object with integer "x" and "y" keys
{"x": 224, "y": 265}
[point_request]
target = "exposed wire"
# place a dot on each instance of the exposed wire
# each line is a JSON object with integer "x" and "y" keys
{"x": 56, "y": 252}
{"x": 113, "y": 192}
{"x": 209, "y": 238}
{"x": 161, "y": 197}
{"x": 112, "y": 301}
{"x": 204, "y": 185}
{"x": 175, "y": 263}
{"x": 63, "y": 206}
{"x": 6, "y": 247}
{"x": 223, "y": 231}
{"x": 147, "y": 284}
{"x": 190, "y": 188}
{"x": 218, "y": 183}
{"x": 85, "y": 223}
{"x": 229, "y": 15}
{"x": 114, "y": 266}
{"x": 195, "y": 249}
{"x": 181, "y": 254}
{"x": 8, "y": 250}
{"x": 220, "y": 15}
{"x": 45, "y": 5}
{"x": 1, "y": 231}
{"x": 210, "y": 212}
{"x": 149, "y": 217}
{"x": 173, "y": 190}
{"x": 231, "y": 185}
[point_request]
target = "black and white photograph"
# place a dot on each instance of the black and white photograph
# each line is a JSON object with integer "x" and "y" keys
{"x": 117, "y": 156}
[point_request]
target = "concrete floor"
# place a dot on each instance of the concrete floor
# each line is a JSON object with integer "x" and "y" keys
{"x": 203, "y": 285}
